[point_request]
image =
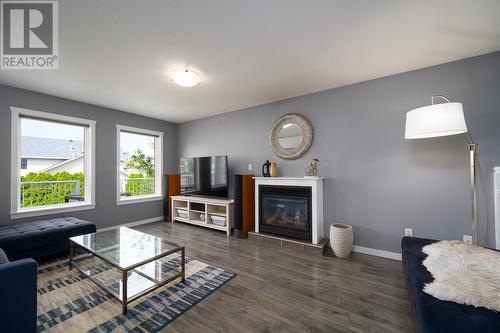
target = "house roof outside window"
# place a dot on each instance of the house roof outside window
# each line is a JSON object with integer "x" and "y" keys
{"x": 33, "y": 147}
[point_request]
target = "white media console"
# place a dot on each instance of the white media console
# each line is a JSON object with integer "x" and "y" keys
{"x": 204, "y": 212}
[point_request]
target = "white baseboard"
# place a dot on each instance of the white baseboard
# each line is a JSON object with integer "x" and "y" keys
{"x": 132, "y": 224}
{"x": 378, "y": 253}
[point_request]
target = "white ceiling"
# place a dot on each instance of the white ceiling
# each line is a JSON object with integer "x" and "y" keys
{"x": 116, "y": 53}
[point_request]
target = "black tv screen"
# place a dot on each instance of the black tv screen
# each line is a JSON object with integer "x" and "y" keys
{"x": 204, "y": 176}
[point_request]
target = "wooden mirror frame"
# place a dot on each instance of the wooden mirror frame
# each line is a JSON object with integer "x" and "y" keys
{"x": 307, "y": 130}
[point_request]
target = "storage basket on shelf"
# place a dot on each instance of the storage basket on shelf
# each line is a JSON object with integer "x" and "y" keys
{"x": 218, "y": 220}
{"x": 182, "y": 213}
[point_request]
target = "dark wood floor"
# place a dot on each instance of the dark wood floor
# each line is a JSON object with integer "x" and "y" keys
{"x": 280, "y": 291}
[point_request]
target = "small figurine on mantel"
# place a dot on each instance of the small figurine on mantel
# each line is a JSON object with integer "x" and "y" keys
{"x": 312, "y": 170}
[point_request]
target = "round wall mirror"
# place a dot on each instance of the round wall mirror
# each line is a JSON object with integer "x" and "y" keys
{"x": 291, "y": 136}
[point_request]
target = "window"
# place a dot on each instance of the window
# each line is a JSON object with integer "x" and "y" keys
{"x": 187, "y": 174}
{"x": 218, "y": 171}
{"x": 139, "y": 159}
{"x": 52, "y": 163}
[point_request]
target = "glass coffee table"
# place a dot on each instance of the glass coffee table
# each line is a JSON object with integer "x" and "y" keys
{"x": 127, "y": 263}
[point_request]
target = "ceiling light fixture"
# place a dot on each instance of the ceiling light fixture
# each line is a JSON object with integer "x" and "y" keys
{"x": 185, "y": 77}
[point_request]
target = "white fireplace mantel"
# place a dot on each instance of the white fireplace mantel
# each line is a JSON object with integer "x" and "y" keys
{"x": 316, "y": 184}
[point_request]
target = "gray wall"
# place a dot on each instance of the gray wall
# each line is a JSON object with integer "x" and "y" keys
{"x": 376, "y": 180}
{"x": 106, "y": 213}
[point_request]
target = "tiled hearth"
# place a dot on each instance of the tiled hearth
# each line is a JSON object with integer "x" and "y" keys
{"x": 289, "y": 244}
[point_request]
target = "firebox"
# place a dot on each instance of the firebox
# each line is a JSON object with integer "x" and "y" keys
{"x": 285, "y": 211}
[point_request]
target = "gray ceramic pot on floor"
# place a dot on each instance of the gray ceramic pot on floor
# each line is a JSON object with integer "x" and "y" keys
{"x": 341, "y": 239}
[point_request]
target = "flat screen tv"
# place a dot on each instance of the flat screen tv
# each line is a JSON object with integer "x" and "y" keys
{"x": 204, "y": 176}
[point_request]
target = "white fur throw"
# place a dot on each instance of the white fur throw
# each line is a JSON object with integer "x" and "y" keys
{"x": 463, "y": 273}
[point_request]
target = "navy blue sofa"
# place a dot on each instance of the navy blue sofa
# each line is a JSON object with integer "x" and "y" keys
{"x": 18, "y": 278}
{"x": 432, "y": 314}
{"x": 17, "y": 295}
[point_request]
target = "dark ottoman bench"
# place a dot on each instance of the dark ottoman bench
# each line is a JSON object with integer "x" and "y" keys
{"x": 41, "y": 238}
{"x": 433, "y": 315}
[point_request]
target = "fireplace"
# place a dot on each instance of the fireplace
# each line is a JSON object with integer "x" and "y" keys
{"x": 303, "y": 199}
{"x": 285, "y": 211}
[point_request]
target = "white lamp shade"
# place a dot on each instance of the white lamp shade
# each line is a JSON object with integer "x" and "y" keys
{"x": 435, "y": 120}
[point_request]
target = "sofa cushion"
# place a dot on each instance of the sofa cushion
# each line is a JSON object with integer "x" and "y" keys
{"x": 432, "y": 314}
{"x": 3, "y": 257}
{"x": 24, "y": 240}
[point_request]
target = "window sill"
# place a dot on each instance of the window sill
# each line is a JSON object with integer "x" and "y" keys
{"x": 139, "y": 199}
{"x": 50, "y": 210}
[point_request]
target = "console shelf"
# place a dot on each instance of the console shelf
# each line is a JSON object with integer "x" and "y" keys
{"x": 213, "y": 209}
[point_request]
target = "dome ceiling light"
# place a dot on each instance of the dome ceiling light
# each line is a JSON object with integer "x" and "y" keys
{"x": 185, "y": 77}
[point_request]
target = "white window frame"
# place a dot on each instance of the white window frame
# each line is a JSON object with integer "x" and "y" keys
{"x": 16, "y": 211}
{"x": 158, "y": 166}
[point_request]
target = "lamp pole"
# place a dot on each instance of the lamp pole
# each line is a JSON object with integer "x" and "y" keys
{"x": 473, "y": 191}
{"x": 472, "y": 167}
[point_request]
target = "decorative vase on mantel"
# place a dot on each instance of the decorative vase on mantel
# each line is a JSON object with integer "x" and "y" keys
{"x": 273, "y": 170}
{"x": 341, "y": 239}
{"x": 266, "y": 169}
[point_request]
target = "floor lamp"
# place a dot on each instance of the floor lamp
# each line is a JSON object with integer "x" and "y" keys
{"x": 446, "y": 119}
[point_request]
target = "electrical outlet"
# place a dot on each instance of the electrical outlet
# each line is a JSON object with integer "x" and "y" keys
{"x": 467, "y": 239}
{"x": 408, "y": 232}
{"x": 250, "y": 166}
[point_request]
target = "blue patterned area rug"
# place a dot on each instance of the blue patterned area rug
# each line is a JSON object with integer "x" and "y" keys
{"x": 70, "y": 302}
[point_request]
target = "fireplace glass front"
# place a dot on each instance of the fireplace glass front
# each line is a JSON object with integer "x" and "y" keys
{"x": 285, "y": 211}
